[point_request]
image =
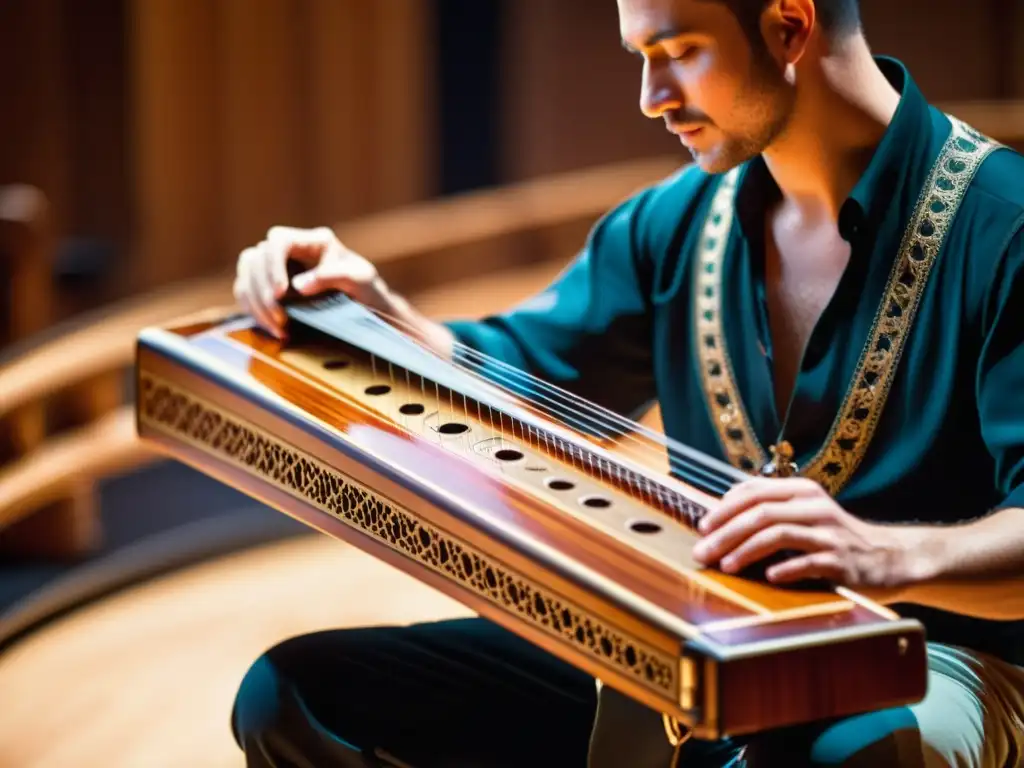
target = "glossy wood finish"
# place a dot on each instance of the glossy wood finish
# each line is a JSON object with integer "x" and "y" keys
{"x": 722, "y": 654}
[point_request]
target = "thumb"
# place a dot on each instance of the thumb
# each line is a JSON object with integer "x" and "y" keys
{"x": 308, "y": 282}
{"x": 320, "y": 279}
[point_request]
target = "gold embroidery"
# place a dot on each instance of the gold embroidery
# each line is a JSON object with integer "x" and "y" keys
{"x": 847, "y": 442}
{"x": 723, "y": 398}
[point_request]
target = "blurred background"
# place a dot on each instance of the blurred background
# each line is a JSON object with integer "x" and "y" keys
{"x": 466, "y": 146}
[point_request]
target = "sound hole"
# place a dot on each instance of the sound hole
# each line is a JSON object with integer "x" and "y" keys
{"x": 377, "y": 389}
{"x": 644, "y": 526}
{"x": 453, "y": 428}
{"x": 597, "y": 502}
{"x": 411, "y": 409}
{"x": 336, "y": 365}
{"x": 560, "y": 485}
{"x": 508, "y": 454}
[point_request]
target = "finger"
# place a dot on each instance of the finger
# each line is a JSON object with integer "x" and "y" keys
{"x": 826, "y": 565}
{"x": 306, "y": 246}
{"x": 777, "y": 538}
{"x": 339, "y": 270}
{"x": 320, "y": 236}
{"x": 242, "y": 298}
{"x": 264, "y": 282}
{"x": 756, "y": 491}
{"x": 277, "y": 268}
{"x": 319, "y": 280}
{"x": 763, "y": 515}
{"x": 253, "y": 290}
{"x": 256, "y": 291}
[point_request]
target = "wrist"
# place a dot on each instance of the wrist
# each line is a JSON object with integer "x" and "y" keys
{"x": 925, "y": 551}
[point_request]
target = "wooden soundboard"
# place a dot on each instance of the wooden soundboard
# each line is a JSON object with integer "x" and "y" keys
{"x": 593, "y": 569}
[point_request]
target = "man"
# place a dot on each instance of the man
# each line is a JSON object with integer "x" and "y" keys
{"x": 828, "y": 296}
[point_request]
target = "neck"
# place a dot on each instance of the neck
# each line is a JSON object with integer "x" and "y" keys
{"x": 843, "y": 106}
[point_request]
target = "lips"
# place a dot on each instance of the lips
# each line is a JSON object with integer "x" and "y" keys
{"x": 688, "y": 135}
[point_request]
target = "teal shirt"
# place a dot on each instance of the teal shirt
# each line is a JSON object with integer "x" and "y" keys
{"x": 621, "y": 327}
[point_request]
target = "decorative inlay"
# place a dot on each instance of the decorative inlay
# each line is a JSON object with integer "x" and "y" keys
{"x": 209, "y": 428}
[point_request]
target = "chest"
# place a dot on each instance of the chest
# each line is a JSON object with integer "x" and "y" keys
{"x": 803, "y": 269}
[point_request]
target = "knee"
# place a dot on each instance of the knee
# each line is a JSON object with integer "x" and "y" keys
{"x": 257, "y": 704}
{"x": 882, "y": 739}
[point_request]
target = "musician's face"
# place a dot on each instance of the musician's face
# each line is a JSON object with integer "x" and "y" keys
{"x": 717, "y": 85}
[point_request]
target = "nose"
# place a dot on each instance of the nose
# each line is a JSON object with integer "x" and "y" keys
{"x": 659, "y": 91}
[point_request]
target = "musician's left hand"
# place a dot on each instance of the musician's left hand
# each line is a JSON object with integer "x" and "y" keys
{"x": 762, "y": 516}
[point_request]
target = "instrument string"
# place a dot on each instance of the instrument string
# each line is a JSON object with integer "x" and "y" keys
{"x": 567, "y": 408}
{"x": 550, "y": 401}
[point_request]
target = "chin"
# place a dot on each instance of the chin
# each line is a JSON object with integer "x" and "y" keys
{"x": 719, "y": 159}
{"x": 713, "y": 162}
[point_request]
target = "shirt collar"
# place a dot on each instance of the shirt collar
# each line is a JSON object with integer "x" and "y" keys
{"x": 900, "y": 159}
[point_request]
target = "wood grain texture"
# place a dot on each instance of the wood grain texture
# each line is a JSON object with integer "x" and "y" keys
{"x": 330, "y": 450}
{"x": 147, "y": 677}
{"x": 251, "y": 114}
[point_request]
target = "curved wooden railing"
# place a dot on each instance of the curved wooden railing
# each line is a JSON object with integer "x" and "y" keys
{"x": 459, "y": 256}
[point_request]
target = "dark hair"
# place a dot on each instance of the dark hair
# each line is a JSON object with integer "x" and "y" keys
{"x": 837, "y": 17}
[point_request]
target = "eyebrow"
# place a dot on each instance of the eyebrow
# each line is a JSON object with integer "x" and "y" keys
{"x": 659, "y": 37}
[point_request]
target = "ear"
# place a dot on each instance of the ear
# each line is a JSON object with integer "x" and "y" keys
{"x": 787, "y": 26}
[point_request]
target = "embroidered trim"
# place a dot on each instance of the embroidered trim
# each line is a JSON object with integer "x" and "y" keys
{"x": 847, "y": 441}
{"x": 722, "y": 395}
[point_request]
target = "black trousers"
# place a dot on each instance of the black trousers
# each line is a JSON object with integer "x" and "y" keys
{"x": 454, "y": 693}
{"x": 468, "y": 693}
{"x": 438, "y": 695}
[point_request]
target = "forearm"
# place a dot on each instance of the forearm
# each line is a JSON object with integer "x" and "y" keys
{"x": 975, "y": 569}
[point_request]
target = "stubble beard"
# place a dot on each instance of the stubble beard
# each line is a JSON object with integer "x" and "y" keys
{"x": 767, "y": 103}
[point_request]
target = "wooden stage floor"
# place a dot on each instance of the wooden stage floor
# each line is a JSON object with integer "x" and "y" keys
{"x": 146, "y": 678}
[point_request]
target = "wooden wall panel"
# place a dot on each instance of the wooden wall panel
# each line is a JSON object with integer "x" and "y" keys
{"x": 948, "y": 45}
{"x": 35, "y": 134}
{"x": 262, "y": 94}
{"x": 338, "y": 129}
{"x": 401, "y": 112}
{"x": 62, "y": 101}
{"x": 571, "y": 93}
{"x": 94, "y": 51}
{"x": 174, "y": 50}
{"x": 371, "y": 134}
{"x": 1013, "y": 18}
{"x": 250, "y": 113}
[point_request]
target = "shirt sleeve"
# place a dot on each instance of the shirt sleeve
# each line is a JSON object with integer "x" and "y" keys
{"x": 588, "y": 333}
{"x": 1000, "y": 374}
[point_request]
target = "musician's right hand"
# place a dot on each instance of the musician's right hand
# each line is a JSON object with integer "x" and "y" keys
{"x": 261, "y": 281}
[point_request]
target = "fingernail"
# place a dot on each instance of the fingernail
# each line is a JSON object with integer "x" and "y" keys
{"x": 301, "y": 282}
{"x": 728, "y": 564}
{"x": 700, "y": 550}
